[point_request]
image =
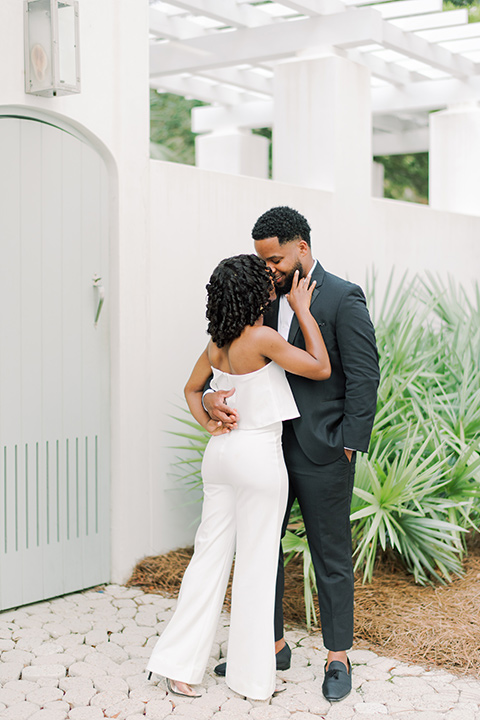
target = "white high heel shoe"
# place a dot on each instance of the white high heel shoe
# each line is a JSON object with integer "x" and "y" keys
{"x": 172, "y": 687}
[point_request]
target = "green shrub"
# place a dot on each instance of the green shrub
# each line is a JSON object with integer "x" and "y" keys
{"x": 417, "y": 489}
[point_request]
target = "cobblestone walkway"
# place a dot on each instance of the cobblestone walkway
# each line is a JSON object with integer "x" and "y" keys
{"x": 82, "y": 657}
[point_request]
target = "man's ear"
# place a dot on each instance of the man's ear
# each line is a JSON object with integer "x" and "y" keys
{"x": 303, "y": 247}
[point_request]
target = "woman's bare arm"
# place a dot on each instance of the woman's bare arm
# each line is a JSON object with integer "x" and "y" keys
{"x": 313, "y": 362}
{"x": 193, "y": 394}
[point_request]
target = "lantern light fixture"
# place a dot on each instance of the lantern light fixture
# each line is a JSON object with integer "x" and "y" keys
{"x": 52, "y": 56}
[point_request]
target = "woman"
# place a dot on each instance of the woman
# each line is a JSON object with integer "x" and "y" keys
{"x": 245, "y": 480}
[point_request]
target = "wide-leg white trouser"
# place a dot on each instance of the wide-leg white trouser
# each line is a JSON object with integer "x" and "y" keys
{"x": 245, "y": 495}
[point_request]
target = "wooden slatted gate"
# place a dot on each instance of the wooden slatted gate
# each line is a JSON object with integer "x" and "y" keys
{"x": 54, "y": 364}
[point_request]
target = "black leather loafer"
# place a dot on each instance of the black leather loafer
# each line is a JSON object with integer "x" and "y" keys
{"x": 283, "y": 658}
{"x": 337, "y": 683}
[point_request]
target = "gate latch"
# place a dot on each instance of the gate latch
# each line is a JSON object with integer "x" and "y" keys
{"x": 101, "y": 296}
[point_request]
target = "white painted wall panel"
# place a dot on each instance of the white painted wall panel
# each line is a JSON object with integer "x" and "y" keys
{"x": 33, "y": 488}
{"x": 72, "y": 353}
{"x": 90, "y": 191}
{"x": 10, "y": 351}
{"x": 54, "y": 364}
{"x": 52, "y": 367}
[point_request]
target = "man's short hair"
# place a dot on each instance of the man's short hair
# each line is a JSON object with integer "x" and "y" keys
{"x": 282, "y": 222}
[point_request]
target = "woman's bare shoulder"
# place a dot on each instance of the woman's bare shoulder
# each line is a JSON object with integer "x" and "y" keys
{"x": 212, "y": 350}
{"x": 264, "y": 339}
{"x": 262, "y": 331}
{"x": 216, "y": 356}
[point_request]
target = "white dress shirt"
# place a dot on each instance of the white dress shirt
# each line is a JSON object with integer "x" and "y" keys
{"x": 285, "y": 316}
{"x": 285, "y": 312}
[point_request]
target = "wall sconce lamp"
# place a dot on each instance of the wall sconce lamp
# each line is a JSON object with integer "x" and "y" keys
{"x": 52, "y": 57}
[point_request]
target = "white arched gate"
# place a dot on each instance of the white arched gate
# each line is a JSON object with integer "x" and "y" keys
{"x": 54, "y": 363}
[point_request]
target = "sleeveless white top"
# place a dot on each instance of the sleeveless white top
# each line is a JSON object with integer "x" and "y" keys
{"x": 262, "y": 397}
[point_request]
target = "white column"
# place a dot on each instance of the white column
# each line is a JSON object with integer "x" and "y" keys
{"x": 322, "y": 125}
{"x": 454, "y": 160}
{"x": 378, "y": 177}
{"x": 238, "y": 152}
{"x": 132, "y": 513}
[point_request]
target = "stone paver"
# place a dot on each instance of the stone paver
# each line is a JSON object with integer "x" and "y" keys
{"x": 83, "y": 656}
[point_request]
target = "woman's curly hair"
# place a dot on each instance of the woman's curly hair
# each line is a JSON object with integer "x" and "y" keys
{"x": 238, "y": 293}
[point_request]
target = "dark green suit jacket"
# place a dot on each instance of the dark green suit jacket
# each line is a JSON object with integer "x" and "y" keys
{"x": 338, "y": 412}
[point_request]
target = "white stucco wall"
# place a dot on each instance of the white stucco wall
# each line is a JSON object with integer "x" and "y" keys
{"x": 199, "y": 217}
{"x": 170, "y": 224}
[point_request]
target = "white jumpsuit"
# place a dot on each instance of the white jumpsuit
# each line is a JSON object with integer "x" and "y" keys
{"x": 245, "y": 495}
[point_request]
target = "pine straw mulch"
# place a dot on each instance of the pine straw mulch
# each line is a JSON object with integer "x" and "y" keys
{"x": 432, "y": 626}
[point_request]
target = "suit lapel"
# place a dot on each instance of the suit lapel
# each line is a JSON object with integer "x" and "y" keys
{"x": 318, "y": 274}
{"x": 294, "y": 328}
{"x": 271, "y": 316}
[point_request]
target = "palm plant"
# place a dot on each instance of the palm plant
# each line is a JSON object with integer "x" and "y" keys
{"x": 295, "y": 544}
{"x": 394, "y": 505}
{"x": 417, "y": 490}
{"x": 188, "y": 467}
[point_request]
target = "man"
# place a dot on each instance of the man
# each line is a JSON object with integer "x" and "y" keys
{"x": 320, "y": 446}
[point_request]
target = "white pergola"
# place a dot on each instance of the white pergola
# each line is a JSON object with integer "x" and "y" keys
{"x": 233, "y": 54}
{"x": 224, "y": 52}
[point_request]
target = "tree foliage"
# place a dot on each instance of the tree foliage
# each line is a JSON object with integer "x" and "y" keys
{"x": 171, "y": 136}
{"x": 406, "y": 177}
{"x": 266, "y": 132}
{"x": 472, "y": 5}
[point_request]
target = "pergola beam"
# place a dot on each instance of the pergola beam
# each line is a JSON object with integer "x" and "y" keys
{"x": 270, "y": 42}
{"x": 462, "y": 45}
{"x": 200, "y": 90}
{"x": 314, "y": 7}
{"x": 283, "y": 40}
{"x": 419, "y": 49}
{"x": 432, "y": 20}
{"x": 407, "y": 8}
{"x": 413, "y": 141}
{"x": 396, "y": 125}
{"x": 426, "y": 95}
{"x": 247, "y": 115}
{"x": 172, "y": 27}
{"x": 247, "y": 80}
{"x": 226, "y": 11}
{"x": 421, "y": 96}
{"x": 390, "y": 72}
{"x": 472, "y": 30}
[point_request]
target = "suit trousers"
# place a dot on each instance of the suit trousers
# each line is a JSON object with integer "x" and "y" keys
{"x": 324, "y": 493}
{"x": 245, "y": 496}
